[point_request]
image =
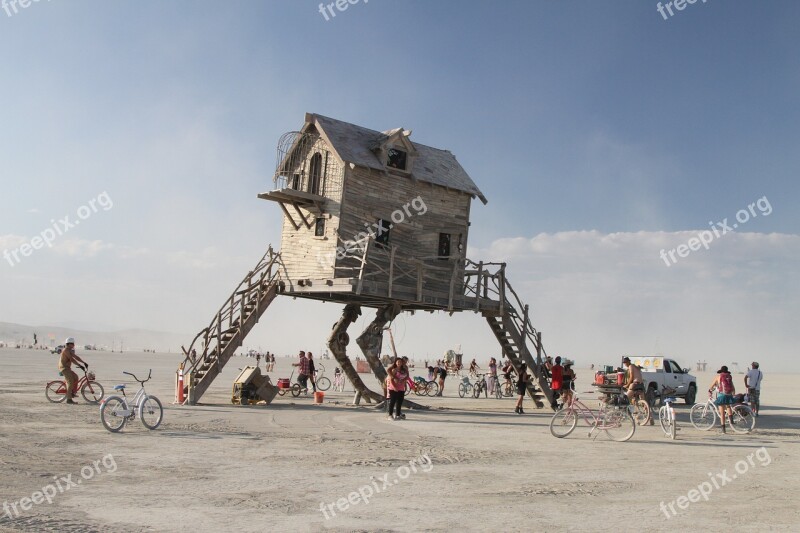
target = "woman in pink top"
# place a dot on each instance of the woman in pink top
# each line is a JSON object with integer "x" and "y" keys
{"x": 396, "y": 385}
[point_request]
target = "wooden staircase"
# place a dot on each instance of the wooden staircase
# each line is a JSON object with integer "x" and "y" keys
{"x": 512, "y": 328}
{"x": 216, "y": 343}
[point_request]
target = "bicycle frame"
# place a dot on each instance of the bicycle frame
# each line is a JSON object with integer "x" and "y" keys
{"x": 597, "y": 421}
{"x": 137, "y": 399}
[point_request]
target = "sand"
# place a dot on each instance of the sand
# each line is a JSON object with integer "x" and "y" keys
{"x": 477, "y": 466}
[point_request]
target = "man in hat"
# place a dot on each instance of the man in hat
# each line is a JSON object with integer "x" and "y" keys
{"x": 752, "y": 380}
{"x": 65, "y": 361}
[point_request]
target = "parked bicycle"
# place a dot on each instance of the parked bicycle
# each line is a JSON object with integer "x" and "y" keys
{"x": 91, "y": 390}
{"x": 615, "y": 420}
{"x": 423, "y": 387}
{"x": 704, "y": 416}
{"x": 465, "y": 387}
{"x": 666, "y": 417}
{"x": 115, "y": 411}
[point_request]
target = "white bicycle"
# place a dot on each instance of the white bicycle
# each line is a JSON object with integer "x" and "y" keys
{"x": 704, "y": 416}
{"x": 666, "y": 417}
{"x": 115, "y": 411}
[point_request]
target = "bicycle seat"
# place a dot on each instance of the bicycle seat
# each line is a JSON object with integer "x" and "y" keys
{"x": 670, "y": 399}
{"x": 120, "y": 387}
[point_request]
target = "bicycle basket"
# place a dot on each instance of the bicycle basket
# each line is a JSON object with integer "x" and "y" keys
{"x": 90, "y": 375}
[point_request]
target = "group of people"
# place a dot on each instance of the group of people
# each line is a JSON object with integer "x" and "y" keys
{"x": 306, "y": 370}
{"x": 269, "y": 361}
{"x": 438, "y": 372}
{"x": 398, "y": 375}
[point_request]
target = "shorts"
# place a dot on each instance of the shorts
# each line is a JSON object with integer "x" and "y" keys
{"x": 507, "y": 376}
{"x": 521, "y": 390}
{"x": 724, "y": 399}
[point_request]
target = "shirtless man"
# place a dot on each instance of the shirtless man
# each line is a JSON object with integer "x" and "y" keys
{"x": 633, "y": 379}
{"x": 65, "y": 361}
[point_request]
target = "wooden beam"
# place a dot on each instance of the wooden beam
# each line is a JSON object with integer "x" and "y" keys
{"x": 289, "y": 216}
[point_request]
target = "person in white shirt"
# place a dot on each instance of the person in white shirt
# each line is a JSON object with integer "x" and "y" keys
{"x": 752, "y": 380}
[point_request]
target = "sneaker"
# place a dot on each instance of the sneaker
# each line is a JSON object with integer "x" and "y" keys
{"x": 402, "y": 416}
{"x": 390, "y": 417}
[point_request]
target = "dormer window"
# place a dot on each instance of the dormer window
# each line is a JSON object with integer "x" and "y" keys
{"x": 397, "y": 159}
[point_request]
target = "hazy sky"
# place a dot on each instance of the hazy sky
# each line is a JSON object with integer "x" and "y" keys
{"x": 600, "y": 132}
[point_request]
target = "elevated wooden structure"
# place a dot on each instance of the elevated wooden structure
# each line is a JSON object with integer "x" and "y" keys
{"x": 371, "y": 219}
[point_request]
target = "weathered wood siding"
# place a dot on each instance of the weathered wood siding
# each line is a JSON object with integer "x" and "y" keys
{"x": 305, "y": 255}
{"x": 419, "y": 212}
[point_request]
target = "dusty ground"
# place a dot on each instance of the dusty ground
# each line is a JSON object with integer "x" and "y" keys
{"x": 219, "y": 467}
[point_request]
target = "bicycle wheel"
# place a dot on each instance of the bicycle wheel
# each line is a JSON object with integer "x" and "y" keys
{"x": 641, "y": 412}
{"x": 432, "y": 388}
{"x": 508, "y": 390}
{"x": 420, "y": 388}
{"x": 281, "y": 391}
{"x": 461, "y": 390}
{"x": 92, "y": 392}
{"x": 563, "y": 422}
{"x": 703, "y": 416}
{"x": 498, "y": 394}
{"x": 476, "y": 391}
{"x": 673, "y": 424}
{"x": 150, "y": 412}
{"x": 743, "y": 420}
{"x": 56, "y": 391}
{"x": 618, "y": 424}
{"x": 666, "y": 418}
{"x": 110, "y": 413}
{"x": 324, "y": 384}
{"x": 296, "y": 390}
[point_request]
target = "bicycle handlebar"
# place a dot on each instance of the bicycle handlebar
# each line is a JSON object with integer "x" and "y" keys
{"x": 149, "y": 376}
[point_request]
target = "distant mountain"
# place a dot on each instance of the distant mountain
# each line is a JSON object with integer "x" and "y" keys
{"x": 128, "y": 339}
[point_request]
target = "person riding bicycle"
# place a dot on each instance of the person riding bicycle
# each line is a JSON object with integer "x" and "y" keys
{"x": 473, "y": 368}
{"x": 633, "y": 384}
{"x": 68, "y": 356}
{"x": 508, "y": 370}
{"x": 752, "y": 381}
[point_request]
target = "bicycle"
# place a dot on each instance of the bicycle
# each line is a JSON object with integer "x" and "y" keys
{"x": 498, "y": 392}
{"x": 666, "y": 417}
{"x": 640, "y": 407}
{"x": 615, "y": 420}
{"x": 115, "y": 411}
{"x": 480, "y": 387}
{"x": 423, "y": 387}
{"x": 703, "y": 416}
{"x": 465, "y": 387}
{"x": 322, "y": 382}
{"x": 91, "y": 390}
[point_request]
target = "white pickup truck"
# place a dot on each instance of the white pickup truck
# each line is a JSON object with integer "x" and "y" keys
{"x": 658, "y": 372}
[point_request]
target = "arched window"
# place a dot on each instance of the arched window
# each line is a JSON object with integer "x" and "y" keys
{"x": 315, "y": 173}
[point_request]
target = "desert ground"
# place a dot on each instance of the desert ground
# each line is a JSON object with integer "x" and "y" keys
{"x": 464, "y": 464}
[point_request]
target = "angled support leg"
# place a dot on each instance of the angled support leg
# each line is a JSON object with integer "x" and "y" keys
{"x": 337, "y": 343}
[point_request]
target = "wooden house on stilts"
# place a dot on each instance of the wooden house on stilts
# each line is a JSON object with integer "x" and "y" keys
{"x": 371, "y": 219}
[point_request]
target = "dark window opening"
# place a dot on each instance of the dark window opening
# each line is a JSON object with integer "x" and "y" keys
{"x": 444, "y": 246}
{"x": 315, "y": 173}
{"x": 382, "y": 233}
{"x": 319, "y": 228}
{"x": 397, "y": 159}
{"x": 295, "y": 182}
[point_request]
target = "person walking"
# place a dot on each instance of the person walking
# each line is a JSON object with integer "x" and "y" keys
{"x": 522, "y": 387}
{"x": 752, "y": 381}
{"x": 312, "y": 371}
{"x": 723, "y": 382}
{"x": 556, "y": 379}
{"x": 396, "y": 385}
{"x": 492, "y": 382}
{"x": 442, "y": 377}
{"x": 258, "y": 358}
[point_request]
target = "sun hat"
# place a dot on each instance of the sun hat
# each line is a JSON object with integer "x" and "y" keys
{"x": 722, "y": 369}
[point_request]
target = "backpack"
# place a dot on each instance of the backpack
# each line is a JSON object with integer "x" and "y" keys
{"x": 725, "y": 383}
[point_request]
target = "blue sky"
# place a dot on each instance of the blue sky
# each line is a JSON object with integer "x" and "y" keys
{"x": 578, "y": 120}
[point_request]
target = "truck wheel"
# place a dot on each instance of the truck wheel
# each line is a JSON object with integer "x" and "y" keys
{"x": 650, "y": 397}
{"x": 691, "y": 394}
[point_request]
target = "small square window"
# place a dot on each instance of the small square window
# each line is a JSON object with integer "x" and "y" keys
{"x": 382, "y": 233}
{"x": 319, "y": 228}
{"x": 444, "y": 246}
{"x": 397, "y": 159}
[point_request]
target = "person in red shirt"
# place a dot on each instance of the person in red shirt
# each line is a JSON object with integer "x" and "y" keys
{"x": 557, "y": 377}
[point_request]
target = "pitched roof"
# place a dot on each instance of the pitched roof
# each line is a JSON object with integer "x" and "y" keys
{"x": 354, "y": 144}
